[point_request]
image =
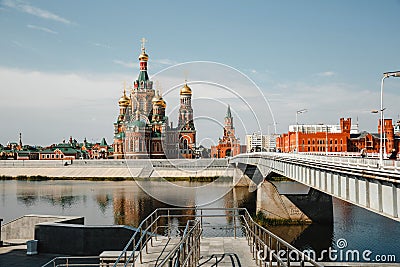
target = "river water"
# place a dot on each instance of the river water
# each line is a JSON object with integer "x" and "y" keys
{"x": 104, "y": 203}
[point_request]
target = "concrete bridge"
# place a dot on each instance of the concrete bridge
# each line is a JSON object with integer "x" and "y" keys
{"x": 356, "y": 180}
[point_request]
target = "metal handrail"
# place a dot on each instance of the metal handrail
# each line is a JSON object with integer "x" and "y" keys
{"x": 189, "y": 247}
{"x": 260, "y": 240}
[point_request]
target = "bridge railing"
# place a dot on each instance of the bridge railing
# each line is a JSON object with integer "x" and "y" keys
{"x": 370, "y": 163}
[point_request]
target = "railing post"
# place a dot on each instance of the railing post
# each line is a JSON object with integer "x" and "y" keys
{"x": 201, "y": 218}
{"x": 1, "y": 242}
{"x": 234, "y": 222}
{"x": 140, "y": 250}
{"x": 156, "y": 225}
{"x": 133, "y": 251}
{"x": 168, "y": 230}
{"x": 151, "y": 230}
{"x": 145, "y": 236}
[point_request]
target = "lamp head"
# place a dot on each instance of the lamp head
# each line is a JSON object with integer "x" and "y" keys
{"x": 301, "y": 111}
{"x": 391, "y": 74}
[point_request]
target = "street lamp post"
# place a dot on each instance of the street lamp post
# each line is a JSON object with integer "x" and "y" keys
{"x": 385, "y": 75}
{"x": 326, "y": 140}
{"x": 297, "y": 128}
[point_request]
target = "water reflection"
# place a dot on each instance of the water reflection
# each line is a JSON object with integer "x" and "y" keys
{"x": 62, "y": 196}
{"x": 103, "y": 203}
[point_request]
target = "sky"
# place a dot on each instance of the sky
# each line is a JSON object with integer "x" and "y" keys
{"x": 63, "y": 63}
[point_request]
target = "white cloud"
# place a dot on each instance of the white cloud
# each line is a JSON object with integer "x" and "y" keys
{"x": 19, "y": 44}
{"x": 102, "y": 45}
{"x": 43, "y": 29}
{"x": 326, "y": 74}
{"x": 165, "y": 61}
{"x": 47, "y": 107}
{"x": 328, "y": 102}
{"x": 126, "y": 64}
{"x": 35, "y": 11}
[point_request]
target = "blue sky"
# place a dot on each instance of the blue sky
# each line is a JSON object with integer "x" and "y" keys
{"x": 63, "y": 62}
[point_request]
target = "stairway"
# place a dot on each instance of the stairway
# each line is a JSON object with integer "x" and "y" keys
{"x": 156, "y": 253}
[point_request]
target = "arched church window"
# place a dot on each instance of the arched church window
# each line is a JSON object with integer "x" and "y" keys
{"x": 141, "y": 104}
{"x": 185, "y": 144}
{"x": 136, "y": 145}
{"x": 131, "y": 144}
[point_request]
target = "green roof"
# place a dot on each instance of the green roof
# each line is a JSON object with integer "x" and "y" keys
{"x": 143, "y": 76}
{"x": 137, "y": 123}
{"x": 23, "y": 153}
{"x": 63, "y": 145}
{"x": 119, "y": 135}
{"x": 103, "y": 142}
{"x": 228, "y": 112}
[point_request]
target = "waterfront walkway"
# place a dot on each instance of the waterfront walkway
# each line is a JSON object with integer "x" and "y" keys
{"x": 166, "y": 168}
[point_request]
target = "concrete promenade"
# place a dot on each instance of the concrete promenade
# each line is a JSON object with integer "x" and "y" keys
{"x": 117, "y": 168}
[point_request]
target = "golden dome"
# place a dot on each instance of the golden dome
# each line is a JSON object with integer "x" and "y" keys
{"x": 143, "y": 56}
{"x": 163, "y": 103}
{"x": 159, "y": 101}
{"x": 124, "y": 100}
{"x": 185, "y": 90}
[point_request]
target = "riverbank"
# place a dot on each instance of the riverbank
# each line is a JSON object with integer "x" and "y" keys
{"x": 117, "y": 179}
{"x": 117, "y": 170}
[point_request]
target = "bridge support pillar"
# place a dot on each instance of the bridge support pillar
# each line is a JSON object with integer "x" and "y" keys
{"x": 240, "y": 178}
{"x": 301, "y": 207}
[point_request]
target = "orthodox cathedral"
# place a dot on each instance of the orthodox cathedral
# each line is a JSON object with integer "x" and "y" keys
{"x": 142, "y": 129}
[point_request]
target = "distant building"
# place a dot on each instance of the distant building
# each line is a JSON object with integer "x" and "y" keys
{"x": 63, "y": 151}
{"x": 101, "y": 150}
{"x": 204, "y": 152}
{"x": 332, "y": 138}
{"x": 315, "y": 138}
{"x": 70, "y": 150}
{"x": 257, "y": 142}
{"x": 397, "y": 128}
{"x": 142, "y": 129}
{"x": 228, "y": 145}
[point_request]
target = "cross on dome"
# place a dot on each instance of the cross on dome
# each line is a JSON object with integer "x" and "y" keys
{"x": 144, "y": 41}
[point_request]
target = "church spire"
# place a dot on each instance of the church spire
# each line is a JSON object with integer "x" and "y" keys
{"x": 228, "y": 112}
{"x": 228, "y": 118}
{"x": 143, "y": 58}
{"x": 20, "y": 140}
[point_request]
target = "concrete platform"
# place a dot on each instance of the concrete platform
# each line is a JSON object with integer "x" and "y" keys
{"x": 15, "y": 256}
{"x": 225, "y": 251}
{"x": 157, "y": 252}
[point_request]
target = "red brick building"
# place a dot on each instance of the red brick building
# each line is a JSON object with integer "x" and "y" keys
{"x": 229, "y": 145}
{"x": 322, "y": 138}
